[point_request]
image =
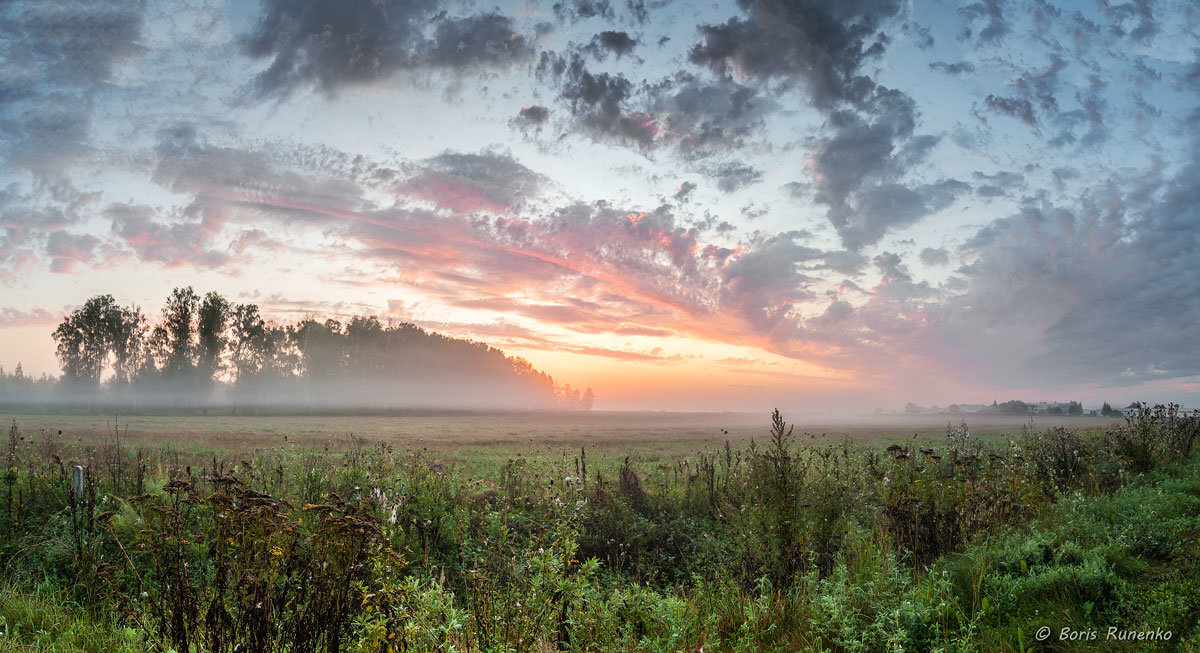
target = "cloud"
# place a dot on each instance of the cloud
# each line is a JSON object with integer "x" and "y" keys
{"x": 608, "y": 42}
{"x": 464, "y": 182}
{"x": 188, "y": 164}
{"x": 1018, "y": 108}
{"x": 1142, "y": 11}
{"x": 57, "y": 58}
{"x": 333, "y": 44}
{"x": 576, "y": 10}
{"x": 931, "y": 256}
{"x": 685, "y": 190}
{"x": 12, "y": 318}
{"x": 858, "y": 170}
{"x": 65, "y": 250}
{"x": 176, "y": 241}
{"x": 535, "y": 114}
{"x": 857, "y": 174}
{"x": 734, "y": 175}
{"x": 822, "y": 43}
{"x": 956, "y": 68}
{"x": 991, "y": 14}
{"x": 705, "y": 118}
{"x": 598, "y": 101}
{"x": 1097, "y": 290}
{"x": 999, "y": 184}
{"x": 33, "y": 223}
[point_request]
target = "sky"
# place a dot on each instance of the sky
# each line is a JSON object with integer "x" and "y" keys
{"x": 730, "y": 206}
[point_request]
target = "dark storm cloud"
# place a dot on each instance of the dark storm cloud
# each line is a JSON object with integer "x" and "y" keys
{"x": 56, "y": 58}
{"x": 332, "y": 44}
{"x": 824, "y": 44}
{"x": 598, "y": 101}
{"x": 616, "y": 43}
{"x": 859, "y": 170}
{"x": 536, "y": 114}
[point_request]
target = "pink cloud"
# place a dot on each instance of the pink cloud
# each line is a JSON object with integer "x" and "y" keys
{"x": 34, "y": 317}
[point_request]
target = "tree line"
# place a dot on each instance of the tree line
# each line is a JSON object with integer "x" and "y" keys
{"x": 205, "y": 351}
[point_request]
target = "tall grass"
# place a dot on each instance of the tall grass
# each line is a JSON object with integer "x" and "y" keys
{"x": 781, "y": 546}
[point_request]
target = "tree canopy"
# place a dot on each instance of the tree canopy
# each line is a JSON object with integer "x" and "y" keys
{"x": 206, "y": 351}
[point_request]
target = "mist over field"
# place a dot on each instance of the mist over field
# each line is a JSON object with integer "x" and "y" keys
{"x": 208, "y": 354}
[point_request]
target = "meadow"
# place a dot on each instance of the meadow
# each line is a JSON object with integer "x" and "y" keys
{"x": 599, "y": 532}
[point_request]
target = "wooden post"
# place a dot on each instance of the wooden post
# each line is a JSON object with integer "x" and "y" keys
{"x": 77, "y": 480}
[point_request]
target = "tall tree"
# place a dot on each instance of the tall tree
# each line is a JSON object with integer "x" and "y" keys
{"x": 174, "y": 338}
{"x": 210, "y": 335}
{"x": 83, "y": 340}
{"x": 249, "y": 345}
{"x": 95, "y": 332}
{"x": 127, "y": 335}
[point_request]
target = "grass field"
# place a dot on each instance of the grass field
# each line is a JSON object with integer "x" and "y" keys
{"x": 598, "y": 532}
{"x": 506, "y": 434}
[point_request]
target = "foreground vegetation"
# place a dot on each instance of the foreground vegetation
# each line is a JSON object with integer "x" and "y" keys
{"x": 780, "y": 545}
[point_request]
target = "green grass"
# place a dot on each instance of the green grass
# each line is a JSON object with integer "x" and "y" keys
{"x": 41, "y": 620}
{"x": 968, "y": 544}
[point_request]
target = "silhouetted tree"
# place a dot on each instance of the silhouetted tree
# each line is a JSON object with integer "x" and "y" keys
{"x": 174, "y": 339}
{"x": 127, "y": 330}
{"x": 248, "y": 342}
{"x": 206, "y": 344}
{"x": 210, "y": 335}
{"x": 92, "y": 332}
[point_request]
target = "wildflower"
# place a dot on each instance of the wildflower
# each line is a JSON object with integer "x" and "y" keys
{"x": 276, "y": 551}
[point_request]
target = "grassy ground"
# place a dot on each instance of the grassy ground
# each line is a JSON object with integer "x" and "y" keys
{"x": 946, "y": 542}
{"x": 491, "y": 438}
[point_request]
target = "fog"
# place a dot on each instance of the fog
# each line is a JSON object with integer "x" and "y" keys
{"x": 206, "y": 354}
